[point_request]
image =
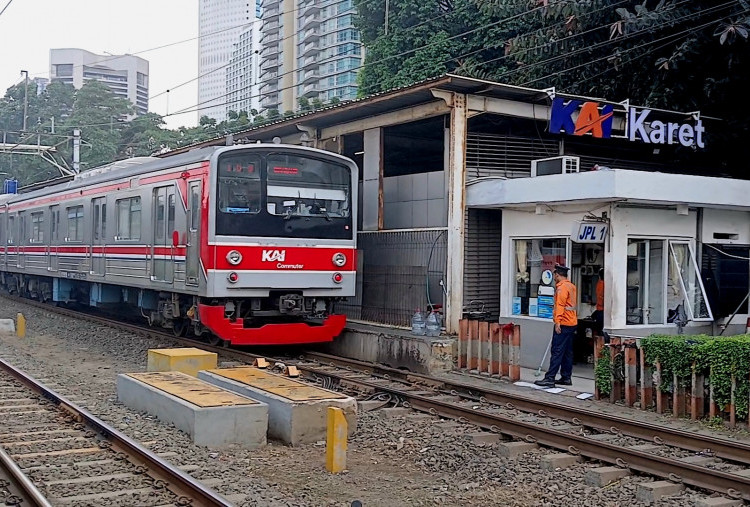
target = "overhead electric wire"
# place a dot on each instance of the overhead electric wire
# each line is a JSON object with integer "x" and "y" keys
{"x": 6, "y": 6}
{"x": 647, "y": 43}
{"x": 195, "y": 107}
{"x": 601, "y": 44}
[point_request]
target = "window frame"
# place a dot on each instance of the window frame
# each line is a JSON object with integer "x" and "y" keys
{"x": 130, "y": 214}
{"x": 78, "y": 220}
{"x": 666, "y": 262}
{"x": 514, "y": 270}
{"x": 37, "y": 227}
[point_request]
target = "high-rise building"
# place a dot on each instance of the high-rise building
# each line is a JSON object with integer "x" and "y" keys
{"x": 309, "y": 48}
{"x": 242, "y": 73}
{"x": 125, "y": 75}
{"x": 220, "y": 23}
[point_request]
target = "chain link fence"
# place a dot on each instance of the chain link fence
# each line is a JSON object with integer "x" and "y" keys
{"x": 398, "y": 272}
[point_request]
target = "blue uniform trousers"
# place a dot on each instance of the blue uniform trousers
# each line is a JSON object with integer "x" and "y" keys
{"x": 562, "y": 354}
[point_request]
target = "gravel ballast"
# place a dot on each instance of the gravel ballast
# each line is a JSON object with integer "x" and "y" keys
{"x": 406, "y": 459}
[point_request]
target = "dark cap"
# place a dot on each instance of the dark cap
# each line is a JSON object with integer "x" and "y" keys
{"x": 561, "y": 270}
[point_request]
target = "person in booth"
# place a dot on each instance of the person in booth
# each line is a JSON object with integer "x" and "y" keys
{"x": 598, "y": 315}
{"x": 565, "y": 318}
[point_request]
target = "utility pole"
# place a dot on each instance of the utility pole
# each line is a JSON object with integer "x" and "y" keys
{"x": 25, "y": 99}
{"x": 386, "y": 17}
{"x": 76, "y": 151}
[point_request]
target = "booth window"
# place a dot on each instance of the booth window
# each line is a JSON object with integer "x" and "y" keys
{"x": 662, "y": 283}
{"x": 532, "y": 258}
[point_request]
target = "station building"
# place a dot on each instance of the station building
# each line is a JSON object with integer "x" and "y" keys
{"x": 471, "y": 191}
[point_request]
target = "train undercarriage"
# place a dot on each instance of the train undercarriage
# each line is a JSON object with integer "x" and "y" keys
{"x": 284, "y": 318}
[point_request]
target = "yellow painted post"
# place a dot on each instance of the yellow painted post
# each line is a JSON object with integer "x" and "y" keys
{"x": 336, "y": 441}
{"x": 20, "y": 325}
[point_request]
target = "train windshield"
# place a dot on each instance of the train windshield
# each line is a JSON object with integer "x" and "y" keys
{"x": 300, "y": 186}
{"x": 276, "y": 194}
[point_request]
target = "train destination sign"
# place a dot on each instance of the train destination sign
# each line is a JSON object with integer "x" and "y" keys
{"x": 597, "y": 119}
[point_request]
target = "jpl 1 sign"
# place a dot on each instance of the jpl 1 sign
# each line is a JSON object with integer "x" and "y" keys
{"x": 589, "y": 232}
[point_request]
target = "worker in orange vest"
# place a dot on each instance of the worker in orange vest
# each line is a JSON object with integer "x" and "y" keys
{"x": 565, "y": 318}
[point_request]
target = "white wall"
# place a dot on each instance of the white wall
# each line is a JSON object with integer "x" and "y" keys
{"x": 729, "y": 222}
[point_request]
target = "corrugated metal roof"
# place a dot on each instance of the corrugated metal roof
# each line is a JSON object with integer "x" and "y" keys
{"x": 389, "y": 100}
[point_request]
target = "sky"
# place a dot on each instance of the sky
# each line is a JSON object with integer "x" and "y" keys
{"x": 30, "y": 28}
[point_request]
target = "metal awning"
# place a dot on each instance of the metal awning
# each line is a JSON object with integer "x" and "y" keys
{"x": 617, "y": 185}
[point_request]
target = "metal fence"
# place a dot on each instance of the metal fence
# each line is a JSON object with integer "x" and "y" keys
{"x": 397, "y": 272}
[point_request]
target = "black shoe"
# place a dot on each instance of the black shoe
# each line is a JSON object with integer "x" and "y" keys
{"x": 545, "y": 383}
{"x": 564, "y": 382}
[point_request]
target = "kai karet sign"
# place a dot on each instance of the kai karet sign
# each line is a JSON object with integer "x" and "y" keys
{"x": 596, "y": 119}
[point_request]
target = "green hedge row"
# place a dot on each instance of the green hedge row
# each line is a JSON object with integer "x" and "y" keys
{"x": 723, "y": 356}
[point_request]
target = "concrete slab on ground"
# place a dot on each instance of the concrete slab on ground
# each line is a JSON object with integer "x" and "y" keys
{"x": 188, "y": 360}
{"x": 394, "y": 347}
{"x": 7, "y": 326}
{"x": 212, "y": 416}
{"x": 297, "y": 412}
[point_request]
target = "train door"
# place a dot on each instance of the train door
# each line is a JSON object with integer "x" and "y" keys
{"x": 99, "y": 236}
{"x": 52, "y": 237}
{"x": 162, "y": 251}
{"x": 21, "y": 256}
{"x": 192, "y": 254}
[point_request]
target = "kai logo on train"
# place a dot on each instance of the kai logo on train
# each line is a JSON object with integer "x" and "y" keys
{"x": 273, "y": 256}
{"x": 576, "y": 117}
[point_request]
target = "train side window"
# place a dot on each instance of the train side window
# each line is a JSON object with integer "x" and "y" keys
{"x": 37, "y": 227}
{"x": 75, "y": 223}
{"x": 104, "y": 221}
{"x": 129, "y": 218}
{"x": 170, "y": 213}
{"x": 195, "y": 207}
{"x": 54, "y": 223}
{"x": 159, "y": 214}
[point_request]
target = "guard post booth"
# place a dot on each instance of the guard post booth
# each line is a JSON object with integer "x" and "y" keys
{"x": 673, "y": 248}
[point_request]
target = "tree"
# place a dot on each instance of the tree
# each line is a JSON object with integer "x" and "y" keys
{"x": 304, "y": 103}
{"x": 317, "y": 103}
{"x": 97, "y": 111}
{"x": 667, "y": 54}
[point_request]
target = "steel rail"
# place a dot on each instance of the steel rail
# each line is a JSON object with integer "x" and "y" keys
{"x": 733, "y": 485}
{"x": 27, "y": 488}
{"x": 732, "y": 450}
{"x": 178, "y": 482}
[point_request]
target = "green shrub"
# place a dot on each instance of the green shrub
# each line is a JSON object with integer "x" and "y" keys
{"x": 723, "y": 356}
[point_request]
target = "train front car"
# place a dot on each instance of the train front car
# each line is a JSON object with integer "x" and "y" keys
{"x": 280, "y": 244}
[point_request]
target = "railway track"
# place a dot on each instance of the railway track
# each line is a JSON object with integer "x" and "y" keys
{"x": 704, "y": 462}
{"x": 56, "y": 453}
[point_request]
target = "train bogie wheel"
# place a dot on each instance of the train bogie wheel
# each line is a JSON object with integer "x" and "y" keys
{"x": 213, "y": 339}
{"x": 179, "y": 327}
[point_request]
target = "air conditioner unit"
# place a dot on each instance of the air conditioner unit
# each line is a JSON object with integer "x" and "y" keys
{"x": 555, "y": 165}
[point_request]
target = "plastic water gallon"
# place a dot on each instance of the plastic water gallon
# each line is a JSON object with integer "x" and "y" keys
{"x": 418, "y": 324}
{"x": 433, "y": 324}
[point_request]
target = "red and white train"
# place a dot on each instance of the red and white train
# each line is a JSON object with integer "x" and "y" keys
{"x": 249, "y": 244}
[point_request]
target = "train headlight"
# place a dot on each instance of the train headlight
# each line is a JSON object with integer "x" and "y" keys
{"x": 233, "y": 277}
{"x": 234, "y": 257}
{"x": 338, "y": 278}
{"x": 339, "y": 259}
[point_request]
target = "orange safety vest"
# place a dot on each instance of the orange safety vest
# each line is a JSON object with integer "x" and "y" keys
{"x": 600, "y": 295}
{"x": 566, "y": 299}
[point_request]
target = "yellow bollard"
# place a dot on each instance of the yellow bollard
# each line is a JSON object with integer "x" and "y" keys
{"x": 336, "y": 441}
{"x": 20, "y": 325}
